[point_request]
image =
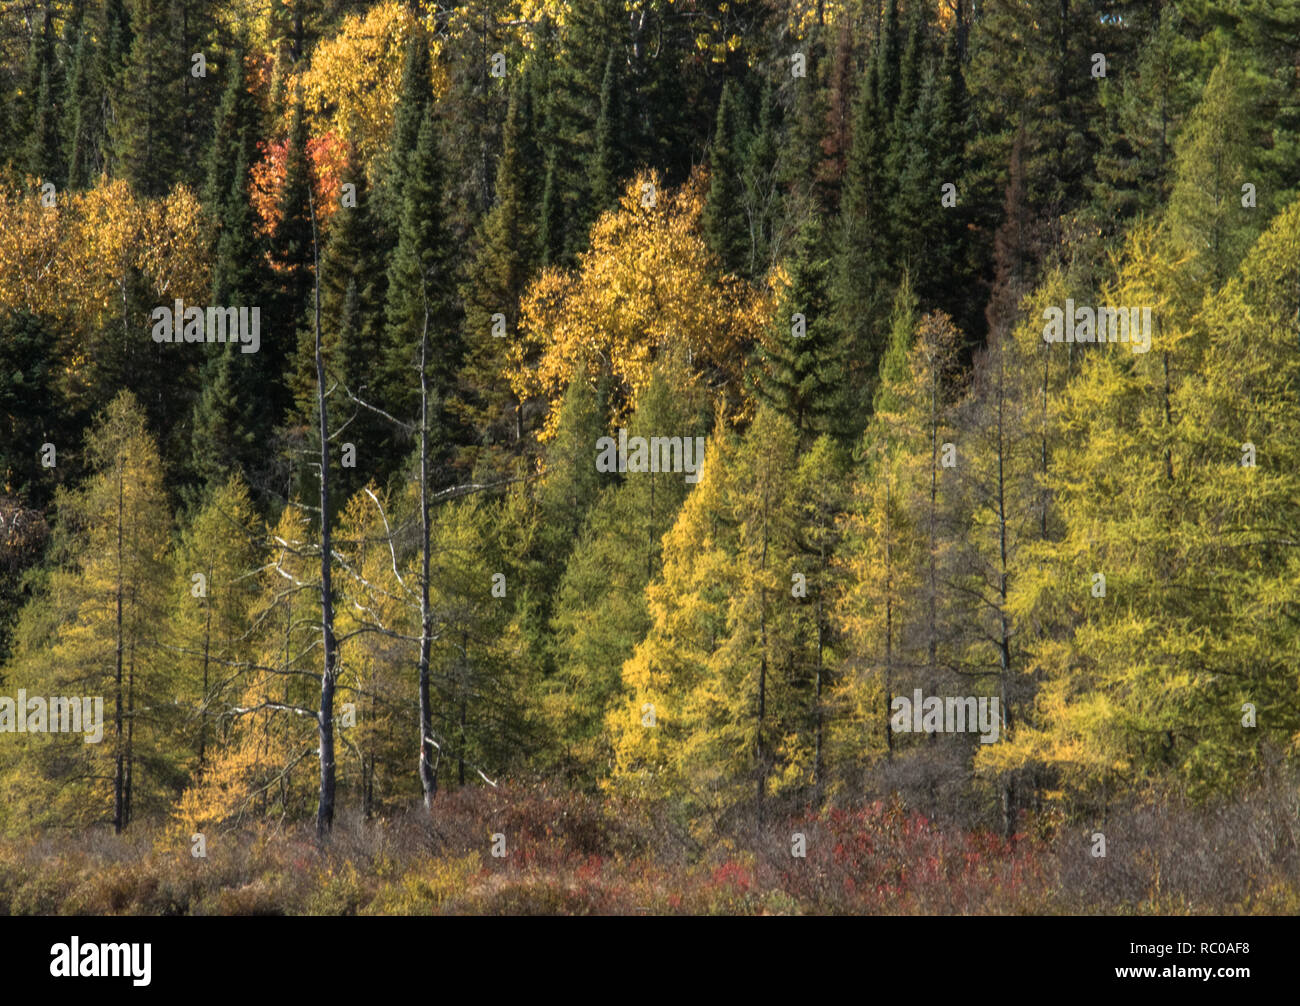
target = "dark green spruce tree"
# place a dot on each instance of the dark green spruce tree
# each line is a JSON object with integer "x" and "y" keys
{"x": 801, "y": 366}
{"x": 608, "y": 156}
{"x": 504, "y": 261}
{"x": 413, "y": 101}
{"x": 422, "y": 292}
{"x": 148, "y": 103}
{"x": 724, "y": 224}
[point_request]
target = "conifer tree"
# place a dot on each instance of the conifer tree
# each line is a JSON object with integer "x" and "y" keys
{"x": 31, "y": 411}
{"x": 761, "y": 191}
{"x": 214, "y": 563}
{"x": 504, "y": 263}
{"x": 839, "y": 116}
{"x": 592, "y": 41}
{"x": 83, "y": 115}
{"x": 600, "y": 610}
{"x": 801, "y": 368}
{"x": 1215, "y": 157}
{"x": 146, "y": 124}
{"x": 653, "y": 720}
{"x": 821, "y": 499}
{"x": 607, "y": 156}
{"x": 291, "y": 246}
{"x": 413, "y": 102}
{"x": 1161, "y": 581}
{"x": 1142, "y": 117}
{"x": 94, "y": 631}
{"x": 231, "y": 421}
{"x": 549, "y": 514}
{"x": 747, "y": 716}
{"x": 801, "y": 151}
{"x": 236, "y": 130}
{"x": 353, "y": 286}
{"x": 263, "y": 766}
{"x": 861, "y": 280}
{"x": 480, "y": 687}
{"x": 421, "y": 294}
{"x": 551, "y": 217}
{"x": 723, "y": 222}
{"x": 44, "y": 90}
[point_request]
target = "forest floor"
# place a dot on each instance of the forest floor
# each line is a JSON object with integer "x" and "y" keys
{"x": 573, "y": 854}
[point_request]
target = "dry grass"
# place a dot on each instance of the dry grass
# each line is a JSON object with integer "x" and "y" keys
{"x": 572, "y": 854}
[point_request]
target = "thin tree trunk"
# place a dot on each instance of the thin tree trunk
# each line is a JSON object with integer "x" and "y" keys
{"x": 1004, "y": 633}
{"x": 889, "y": 618}
{"x": 119, "y": 788}
{"x": 130, "y": 742}
{"x": 817, "y": 693}
{"x": 325, "y": 719}
{"x": 428, "y": 780}
{"x": 762, "y": 677}
{"x": 203, "y": 700}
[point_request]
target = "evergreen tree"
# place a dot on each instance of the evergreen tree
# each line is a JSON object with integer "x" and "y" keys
{"x": 413, "y": 103}
{"x": 236, "y": 132}
{"x": 292, "y": 256}
{"x": 1035, "y": 64}
{"x": 505, "y": 260}
{"x": 592, "y": 42}
{"x": 421, "y": 292}
{"x": 83, "y": 116}
{"x": 551, "y": 213}
{"x": 956, "y": 288}
{"x": 801, "y": 152}
{"x": 31, "y": 413}
{"x": 231, "y": 422}
{"x": 607, "y": 157}
{"x": 148, "y": 102}
{"x": 761, "y": 193}
{"x": 352, "y": 289}
{"x": 801, "y": 367}
{"x": 192, "y": 30}
{"x": 1142, "y": 116}
{"x": 861, "y": 289}
{"x": 723, "y": 221}
{"x": 887, "y": 62}
{"x": 837, "y": 135}
{"x": 44, "y": 89}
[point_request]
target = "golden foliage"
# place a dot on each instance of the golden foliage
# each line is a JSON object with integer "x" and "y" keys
{"x": 648, "y": 286}
{"x": 74, "y": 262}
{"x": 352, "y": 84}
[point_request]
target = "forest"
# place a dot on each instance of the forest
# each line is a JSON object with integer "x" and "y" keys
{"x": 686, "y": 456}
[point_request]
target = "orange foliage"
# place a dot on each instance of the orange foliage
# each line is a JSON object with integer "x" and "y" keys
{"x": 328, "y": 155}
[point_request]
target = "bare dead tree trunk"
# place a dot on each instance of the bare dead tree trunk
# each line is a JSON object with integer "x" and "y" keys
{"x": 428, "y": 780}
{"x": 329, "y": 670}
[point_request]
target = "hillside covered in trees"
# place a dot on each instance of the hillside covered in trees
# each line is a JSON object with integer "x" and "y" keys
{"x": 785, "y": 444}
